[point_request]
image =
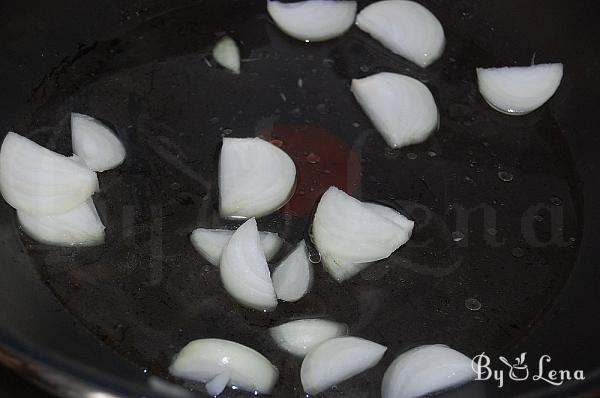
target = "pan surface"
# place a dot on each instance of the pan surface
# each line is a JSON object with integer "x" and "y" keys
{"x": 495, "y": 198}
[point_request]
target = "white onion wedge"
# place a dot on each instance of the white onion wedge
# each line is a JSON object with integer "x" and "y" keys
{"x": 41, "y": 182}
{"x": 337, "y": 360}
{"x": 313, "y": 20}
{"x": 301, "y": 336}
{"x": 244, "y": 270}
{"x": 255, "y": 178}
{"x": 204, "y": 359}
{"x": 95, "y": 143}
{"x": 424, "y": 370}
{"x": 218, "y": 384}
{"x": 80, "y": 226}
{"x": 401, "y": 108}
{"x": 227, "y": 54}
{"x": 211, "y": 242}
{"x": 293, "y": 277}
{"x": 350, "y": 234}
{"x": 406, "y": 28}
{"x": 517, "y": 90}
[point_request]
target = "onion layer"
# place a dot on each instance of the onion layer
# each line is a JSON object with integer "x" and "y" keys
{"x": 218, "y": 384}
{"x": 41, "y": 182}
{"x": 203, "y": 360}
{"x": 293, "y": 277}
{"x": 301, "y": 336}
{"x": 406, "y": 28}
{"x": 78, "y": 227}
{"x": 211, "y": 242}
{"x": 517, "y": 90}
{"x": 244, "y": 270}
{"x": 350, "y": 234}
{"x": 227, "y": 54}
{"x": 255, "y": 178}
{"x": 337, "y": 360}
{"x": 424, "y": 370}
{"x": 313, "y": 20}
{"x": 95, "y": 143}
{"x": 401, "y": 108}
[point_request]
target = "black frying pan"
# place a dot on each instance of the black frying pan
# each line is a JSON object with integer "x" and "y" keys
{"x": 501, "y": 259}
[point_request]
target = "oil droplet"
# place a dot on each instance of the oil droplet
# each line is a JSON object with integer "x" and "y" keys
{"x": 314, "y": 256}
{"x": 296, "y": 112}
{"x": 175, "y": 186}
{"x": 538, "y": 218}
{"x": 391, "y": 153}
{"x": 323, "y": 109}
{"x": 556, "y": 201}
{"x": 505, "y": 176}
{"x": 431, "y": 154}
{"x": 473, "y": 304}
{"x": 213, "y": 120}
{"x": 356, "y": 124}
{"x": 227, "y": 131}
{"x": 517, "y": 252}
{"x": 277, "y": 143}
{"x": 411, "y": 155}
{"x": 313, "y": 158}
{"x": 364, "y": 68}
{"x": 457, "y": 236}
{"x": 328, "y": 62}
{"x": 492, "y": 231}
{"x": 206, "y": 268}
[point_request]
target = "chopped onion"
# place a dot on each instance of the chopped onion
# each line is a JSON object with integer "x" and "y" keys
{"x": 244, "y": 270}
{"x": 95, "y": 143}
{"x": 80, "y": 226}
{"x": 406, "y": 28}
{"x": 227, "y": 54}
{"x": 425, "y": 370}
{"x": 210, "y": 243}
{"x": 350, "y": 234}
{"x": 301, "y": 336}
{"x": 337, "y": 360}
{"x": 401, "y": 108}
{"x": 204, "y": 359}
{"x": 255, "y": 178}
{"x": 41, "y": 182}
{"x": 293, "y": 278}
{"x": 517, "y": 90}
{"x": 218, "y": 383}
{"x": 313, "y": 20}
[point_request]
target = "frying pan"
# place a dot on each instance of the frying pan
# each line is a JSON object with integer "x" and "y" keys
{"x": 502, "y": 260}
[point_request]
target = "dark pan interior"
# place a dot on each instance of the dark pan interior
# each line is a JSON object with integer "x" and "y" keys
{"x": 497, "y": 200}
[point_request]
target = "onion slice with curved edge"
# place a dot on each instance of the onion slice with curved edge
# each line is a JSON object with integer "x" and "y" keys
{"x": 293, "y": 277}
{"x": 301, "y": 336}
{"x": 218, "y": 384}
{"x": 227, "y": 54}
{"x": 244, "y": 270}
{"x": 406, "y": 28}
{"x": 313, "y": 20}
{"x": 211, "y": 242}
{"x": 401, "y": 108}
{"x": 255, "y": 178}
{"x": 424, "y": 370}
{"x": 518, "y": 90}
{"x": 350, "y": 234}
{"x": 337, "y": 360}
{"x": 41, "y": 182}
{"x": 95, "y": 143}
{"x": 80, "y": 226}
{"x": 204, "y": 359}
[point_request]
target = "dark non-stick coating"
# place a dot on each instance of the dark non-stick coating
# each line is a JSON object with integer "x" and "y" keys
{"x": 497, "y": 200}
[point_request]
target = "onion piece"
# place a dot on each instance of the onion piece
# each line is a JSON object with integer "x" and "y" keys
{"x": 255, "y": 178}
{"x": 227, "y": 54}
{"x": 80, "y": 226}
{"x": 301, "y": 336}
{"x": 424, "y": 370}
{"x": 244, "y": 270}
{"x": 293, "y": 277}
{"x": 337, "y": 360}
{"x": 406, "y": 28}
{"x": 95, "y": 143}
{"x": 204, "y": 359}
{"x": 350, "y": 234}
{"x": 313, "y": 20}
{"x": 517, "y": 90}
{"x": 211, "y": 242}
{"x": 401, "y": 108}
{"x": 41, "y": 182}
{"x": 218, "y": 384}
